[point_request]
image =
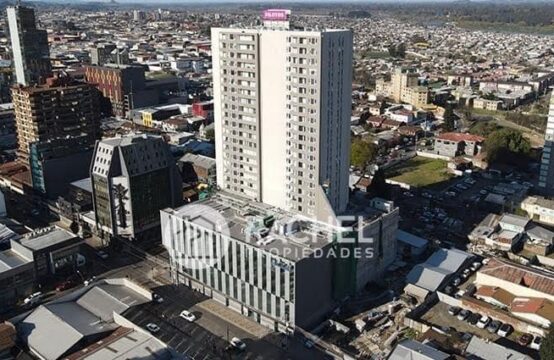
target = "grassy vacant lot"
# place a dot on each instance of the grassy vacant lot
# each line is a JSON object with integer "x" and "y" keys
{"x": 420, "y": 171}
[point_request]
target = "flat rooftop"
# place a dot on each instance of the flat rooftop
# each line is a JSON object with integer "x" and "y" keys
{"x": 243, "y": 219}
{"x": 9, "y": 260}
{"x": 44, "y": 238}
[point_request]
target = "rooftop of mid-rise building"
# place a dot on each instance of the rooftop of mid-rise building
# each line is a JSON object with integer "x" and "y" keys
{"x": 287, "y": 234}
{"x": 46, "y": 237}
{"x": 52, "y": 83}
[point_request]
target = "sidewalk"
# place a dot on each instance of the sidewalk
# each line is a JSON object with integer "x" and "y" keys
{"x": 234, "y": 318}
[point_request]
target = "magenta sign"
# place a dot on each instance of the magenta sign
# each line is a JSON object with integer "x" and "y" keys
{"x": 276, "y": 15}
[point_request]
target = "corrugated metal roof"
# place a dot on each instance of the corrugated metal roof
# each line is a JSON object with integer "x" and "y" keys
{"x": 491, "y": 351}
{"x": 414, "y": 350}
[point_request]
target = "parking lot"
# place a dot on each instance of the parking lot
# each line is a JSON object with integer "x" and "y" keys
{"x": 448, "y": 211}
{"x": 207, "y": 337}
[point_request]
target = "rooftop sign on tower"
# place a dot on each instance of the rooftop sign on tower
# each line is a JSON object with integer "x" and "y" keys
{"x": 276, "y": 18}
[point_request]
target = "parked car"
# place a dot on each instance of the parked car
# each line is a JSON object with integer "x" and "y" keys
{"x": 308, "y": 344}
{"x": 525, "y": 339}
{"x": 475, "y": 266}
{"x": 483, "y": 322}
{"x": 102, "y": 254}
{"x": 453, "y": 310}
{"x": 505, "y": 330}
{"x": 464, "y": 314}
{"x": 33, "y": 298}
{"x": 473, "y": 319}
{"x": 187, "y": 315}
{"x": 536, "y": 343}
{"x": 494, "y": 326}
{"x": 457, "y": 281}
{"x": 68, "y": 284}
{"x": 449, "y": 290}
{"x": 153, "y": 328}
{"x": 238, "y": 344}
{"x": 459, "y": 294}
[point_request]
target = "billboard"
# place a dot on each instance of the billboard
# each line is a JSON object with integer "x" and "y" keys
{"x": 276, "y": 15}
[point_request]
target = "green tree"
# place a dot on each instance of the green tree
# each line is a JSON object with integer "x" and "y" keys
{"x": 506, "y": 145}
{"x": 362, "y": 152}
{"x": 449, "y": 119}
{"x": 547, "y": 346}
{"x": 484, "y": 128}
{"x": 210, "y": 134}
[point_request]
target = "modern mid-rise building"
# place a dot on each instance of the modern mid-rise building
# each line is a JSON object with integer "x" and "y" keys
{"x": 56, "y": 163}
{"x": 282, "y": 104}
{"x": 273, "y": 265}
{"x": 122, "y": 87}
{"x": 133, "y": 177}
{"x": 546, "y": 176}
{"x": 31, "y": 54}
{"x": 57, "y": 109}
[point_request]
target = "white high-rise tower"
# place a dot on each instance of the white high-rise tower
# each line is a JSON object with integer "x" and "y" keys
{"x": 282, "y": 115}
{"x": 546, "y": 176}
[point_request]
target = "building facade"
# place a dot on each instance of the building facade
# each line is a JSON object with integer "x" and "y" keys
{"x": 58, "y": 162}
{"x": 53, "y": 251}
{"x": 272, "y": 265}
{"x": 31, "y": 54}
{"x": 546, "y": 175}
{"x": 120, "y": 86}
{"x": 133, "y": 177}
{"x": 8, "y": 133}
{"x": 282, "y": 112}
{"x": 57, "y": 109}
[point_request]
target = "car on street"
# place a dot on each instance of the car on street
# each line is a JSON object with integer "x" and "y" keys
{"x": 453, "y": 310}
{"x": 153, "y": 328}
{"x": 525, "y": 339}
{"x": 33, "y": 298}
{"x": 494, "y": 326}
{"x": 157, "y": 298}
{"x": 457, "y": 281}
{"x": 308, "y": 344}
{"x": 536, "y": 343}
{"x": 464, "y": 314}
{"x": 238, "y": 344}
{"x": 102, "y": 254}
{"x": 483, "y": 322}
{"x": 187, "y": 315}
{"x": 505, "y": 330}
{"x": 68, "y": 284}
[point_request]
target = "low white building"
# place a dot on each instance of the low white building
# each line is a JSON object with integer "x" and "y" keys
{"x": 539, "y": 209}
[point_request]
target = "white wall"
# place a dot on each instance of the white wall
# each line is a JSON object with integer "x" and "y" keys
{"x": 273, "y": 110}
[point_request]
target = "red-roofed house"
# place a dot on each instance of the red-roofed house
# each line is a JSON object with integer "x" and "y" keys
{"x": 458, "y": 144}
{"x": 519, "y": 280}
